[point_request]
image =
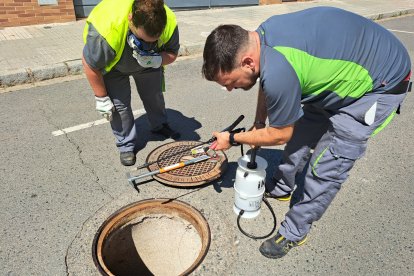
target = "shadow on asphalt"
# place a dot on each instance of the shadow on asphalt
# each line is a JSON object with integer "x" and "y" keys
{"x": 272, "y": 156}
{"x": 186, "y": 126}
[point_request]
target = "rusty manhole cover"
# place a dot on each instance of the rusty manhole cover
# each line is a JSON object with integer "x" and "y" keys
{"x": 188, "y": 176}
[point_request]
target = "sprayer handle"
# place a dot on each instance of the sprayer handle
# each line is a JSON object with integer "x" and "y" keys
{"x": 233, "y": 125}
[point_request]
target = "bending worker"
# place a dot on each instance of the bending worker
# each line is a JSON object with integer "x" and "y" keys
{"x": 351, "y": 76}
{"x": 123, "y": 39}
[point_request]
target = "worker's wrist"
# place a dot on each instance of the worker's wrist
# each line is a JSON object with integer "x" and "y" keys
{"x": 101, "y": 98}
{"x": 233, "y": 142}
{"x": 100, "y": 94}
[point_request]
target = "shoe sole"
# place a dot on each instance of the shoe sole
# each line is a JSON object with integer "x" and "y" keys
{"x": 302, "y": 241}
{"x": 128, "y": 165}
{"x": 271, "y": 256}
{"x": 284, "y": 198}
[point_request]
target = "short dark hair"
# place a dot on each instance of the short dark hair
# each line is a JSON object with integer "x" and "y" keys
{"x": 149, "y": 15}
{"x": 221, "y": 49}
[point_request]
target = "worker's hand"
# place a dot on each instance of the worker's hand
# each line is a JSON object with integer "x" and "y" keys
{"x": 105, "y": 107}
{"x": 222, "y": 142}
{"x": 147, "y": 61}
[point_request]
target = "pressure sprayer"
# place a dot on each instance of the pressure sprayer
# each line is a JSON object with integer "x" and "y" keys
{"x": 249, "y": 188}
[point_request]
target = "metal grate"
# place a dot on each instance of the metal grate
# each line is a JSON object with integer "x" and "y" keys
{"x": 191, "y": 170}
{"x": 188, "y": 176}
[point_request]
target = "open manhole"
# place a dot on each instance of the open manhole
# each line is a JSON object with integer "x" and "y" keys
{"x": 189, "y": 176}
{"x": 152, "y": 237}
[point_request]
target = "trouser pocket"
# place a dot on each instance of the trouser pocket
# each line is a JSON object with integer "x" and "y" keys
{"x": 334, "y": 162}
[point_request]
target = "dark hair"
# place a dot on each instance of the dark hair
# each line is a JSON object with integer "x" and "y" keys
{"x": 221, "y": 50}
{"x": 149, "y": 15}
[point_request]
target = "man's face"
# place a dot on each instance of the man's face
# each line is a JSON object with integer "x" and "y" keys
{"x": 238, "y": 78}
{"x": 140, "y": 32}
{"x": 142, "y": 40}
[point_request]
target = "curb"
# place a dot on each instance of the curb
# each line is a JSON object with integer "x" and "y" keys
{"x": 390, "y": 14}
{"x": 67, "y": 68}
{"x": 40, "y": 73}
{"x": 75, "y": 67}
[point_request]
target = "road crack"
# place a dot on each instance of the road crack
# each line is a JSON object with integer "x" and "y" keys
{"x": 78, "y": 236}
{"x": 79, "y": 151}
{"x": 89, "y": 168}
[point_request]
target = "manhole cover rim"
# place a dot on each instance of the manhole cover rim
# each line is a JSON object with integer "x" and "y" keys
{"x": 107, "y": 227}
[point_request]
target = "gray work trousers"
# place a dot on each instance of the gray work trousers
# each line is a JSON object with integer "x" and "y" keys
{"x": 338, "y": 139}
{"x": 149, "y": 86}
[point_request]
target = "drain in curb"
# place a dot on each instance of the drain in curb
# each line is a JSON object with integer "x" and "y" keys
{"x": 152, "y": 237}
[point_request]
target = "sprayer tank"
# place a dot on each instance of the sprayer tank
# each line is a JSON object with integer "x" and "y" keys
{"x": 249, "y": 186}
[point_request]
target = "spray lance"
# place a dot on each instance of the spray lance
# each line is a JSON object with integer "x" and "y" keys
{"x": 249, "y": 188}
{"x": 193, "y": 149}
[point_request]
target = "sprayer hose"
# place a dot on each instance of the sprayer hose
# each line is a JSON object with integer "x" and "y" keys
{"x": 260, "y": 237}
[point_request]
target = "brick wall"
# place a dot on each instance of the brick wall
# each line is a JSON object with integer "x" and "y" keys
{"x": 29, "y": 12}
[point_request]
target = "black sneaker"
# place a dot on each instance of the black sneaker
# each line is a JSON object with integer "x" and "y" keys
{"x": 278, "y": 246}
{"x": 127, "y": 158}
{"x": 286, "y": 197}
{"x": 167, "y": 132}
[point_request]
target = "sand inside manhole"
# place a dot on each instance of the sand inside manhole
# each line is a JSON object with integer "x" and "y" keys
{"x": 155, "y": 244}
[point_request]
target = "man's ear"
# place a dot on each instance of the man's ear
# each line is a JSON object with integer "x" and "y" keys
{"x": 248, "y": 62}
{"x": 129, "y": 17}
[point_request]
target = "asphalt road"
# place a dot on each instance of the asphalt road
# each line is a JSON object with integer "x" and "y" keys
{"x": 57, "y": 190}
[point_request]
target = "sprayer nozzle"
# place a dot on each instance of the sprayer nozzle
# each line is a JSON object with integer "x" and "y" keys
{"x": 252, "y": 165}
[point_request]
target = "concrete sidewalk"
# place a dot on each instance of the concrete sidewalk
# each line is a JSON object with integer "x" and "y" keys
{"x": 34, "y": 53}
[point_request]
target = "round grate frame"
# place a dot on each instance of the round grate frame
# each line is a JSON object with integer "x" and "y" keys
{"x": 189, "y": 176}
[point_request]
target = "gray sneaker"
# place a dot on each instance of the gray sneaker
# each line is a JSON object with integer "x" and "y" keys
{"x": 127, "y": 158}
{"x": 278, "y": 246}
{"x": 286, "y": 197}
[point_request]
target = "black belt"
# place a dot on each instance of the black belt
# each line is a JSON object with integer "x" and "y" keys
{"x": 401, "y": 88}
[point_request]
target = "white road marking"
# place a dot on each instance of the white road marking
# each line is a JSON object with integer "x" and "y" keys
{"x": 90, "y": 124}
{"x": 398, "y": 31}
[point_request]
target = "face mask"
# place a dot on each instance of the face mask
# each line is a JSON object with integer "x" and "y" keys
{"x": 143, "y": 48}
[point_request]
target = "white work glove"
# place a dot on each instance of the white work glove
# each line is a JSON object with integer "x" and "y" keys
{"x": 105, "y": 107}
{"x": 145, "y": 59}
